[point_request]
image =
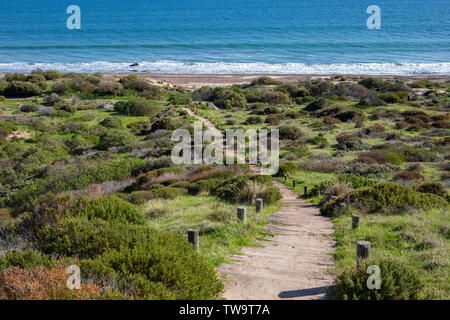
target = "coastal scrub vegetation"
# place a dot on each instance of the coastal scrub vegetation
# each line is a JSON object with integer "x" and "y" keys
{"x": 86, "y": 178}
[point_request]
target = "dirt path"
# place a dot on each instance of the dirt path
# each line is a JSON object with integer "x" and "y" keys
{"x": 293, "y": 264}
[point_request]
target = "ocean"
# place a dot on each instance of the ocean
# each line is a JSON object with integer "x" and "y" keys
{"x": 227, "y": 36}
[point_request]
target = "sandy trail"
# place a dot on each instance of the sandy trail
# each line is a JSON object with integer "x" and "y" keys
{"x": 294, "y": 264}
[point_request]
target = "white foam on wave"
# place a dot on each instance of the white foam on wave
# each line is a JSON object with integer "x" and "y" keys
{"x": 407, "y": 68}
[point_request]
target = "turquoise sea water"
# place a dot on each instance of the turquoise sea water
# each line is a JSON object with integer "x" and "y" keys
{"x": 227, "y": 36}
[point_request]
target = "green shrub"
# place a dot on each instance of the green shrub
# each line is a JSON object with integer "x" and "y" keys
{"x": 30, "y": 107}
{"x": 319, "y": 139}
{"x": 348, "y": 141}
{"x": 74, "y": 177}
{"x": 144, "y": 263}
{"x": 137, "y": 107}
{"x": 204, "y": 186}
{"x": 109, "y": 87}
{"x": 253, "y": 120}
{"x": 373, "y": 171}
{"x": 116, "y": 138}
{"x": 386, "y": 198}
{"x": 111, "y": 122}
{"x": 166, "y": 124}
{"x": 352, "y": 180}
{"x": 83, "y": 238}
{"x": 286, "y": 168}
{"x": 233, "y": 189}
{"x": 316, "y": 105}
{"x": 227, "y": 99}
{"x": 421, "y": 84}
{"x": 398, "y": 282}
{"x": 22, "y": 89}
{"x": 264, "y": 81}
{"x": 275, "y": 97}
{"x": 52, "y": 75}
{"x": 161, "y": 192}
{"x": 25, "y": 259}
{"x": 53, "y": 99}
{"x": 385, "y": 156}
{"x": 109, "y": 208}
{"x": 390, "y": 97}
{"x": 179, "y": 98}
{"x": 162, "y": 162}
{"x": 6, "y": 129}
{"x": 290, "y": 132}
{"x": 373, "y": 83}
{"x": 155, "y": 270}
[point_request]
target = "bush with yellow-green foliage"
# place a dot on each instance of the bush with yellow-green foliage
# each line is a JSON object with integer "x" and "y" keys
{"x": 387, "y": 198}
{"x": 398, "y": 282}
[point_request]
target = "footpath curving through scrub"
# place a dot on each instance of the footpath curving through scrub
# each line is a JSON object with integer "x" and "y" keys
{"x": 295, "y": 263}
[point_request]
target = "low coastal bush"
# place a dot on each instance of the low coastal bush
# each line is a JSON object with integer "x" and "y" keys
{"x": 74, "y": 177}
{"x": 398, "y": 282}
{"x": 21, "y": 89}
{"x": 253, "y": 120}
{"x": 385, "y": 156}
{"x": 349, "y": 142}
{"x": 290, "y": 132}
{"x": 109, "y": 208}
{"x": 116, "y": 138}
{"x": 353, "y": 181}
{"x": 112, "y": 123}
{"x": 326, "y": 165}
{"x": 25, "y": 259}
{"x": 238, "y": 189}
{"x": 155, "y": 269}
{"x": 372, "y": 171}
{"x": 228, "y": 99}
{"x": 144, "y": 263}
{"x": 385, "y": 198}
{"x": 178, "y": 98}
{"x": 286, "y": 168}
{"x": 137, "y": 107}
{"x": 166, "y": 123}
{"x": 201, "y": 187}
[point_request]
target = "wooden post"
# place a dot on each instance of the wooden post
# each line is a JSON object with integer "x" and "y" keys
{"x": 362, "y": 251}
{"x": 259, "y": 205}
{"x": 285, "y": 178}
{"x": 305, "y": 193}
{"x": 193, "y": 238}
{"x": 242, "y": 214}
{"x": 355, "y": 221}
{"x": 294, "y": 183}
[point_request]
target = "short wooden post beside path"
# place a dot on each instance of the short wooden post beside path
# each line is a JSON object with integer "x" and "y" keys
{"x": 193, "y": 236}
{"x": 362, "y": 252}
{"x": 259, "y": 205}
{"x": 242, "y": 214}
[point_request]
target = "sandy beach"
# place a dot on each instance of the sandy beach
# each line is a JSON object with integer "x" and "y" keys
{"x": 198, "y": 80}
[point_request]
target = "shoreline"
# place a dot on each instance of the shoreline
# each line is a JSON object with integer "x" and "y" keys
{"x": 192, "y": 80}
{"x": 215, "y": 79}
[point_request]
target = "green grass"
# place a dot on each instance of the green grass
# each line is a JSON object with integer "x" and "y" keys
{"x": 420, "y": 241}
{"x": 221, "y": 233}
